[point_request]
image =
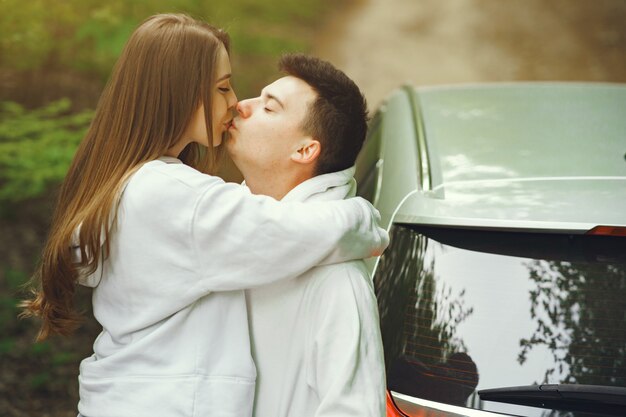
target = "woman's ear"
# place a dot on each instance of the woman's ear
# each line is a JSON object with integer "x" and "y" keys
{"x": 307, "y": 152}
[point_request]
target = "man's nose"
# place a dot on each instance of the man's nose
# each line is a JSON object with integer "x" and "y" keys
{"x": 243, "y": 108}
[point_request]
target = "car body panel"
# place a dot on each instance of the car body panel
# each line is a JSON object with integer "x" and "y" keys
{"x": 494, "y": 153}
{"x": 562, "y": 204}
{"x": 402, "y": 142}
{"x": 526, "y": 130}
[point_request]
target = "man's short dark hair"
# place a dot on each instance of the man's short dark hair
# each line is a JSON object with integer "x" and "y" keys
{"x": 337, "y": 118}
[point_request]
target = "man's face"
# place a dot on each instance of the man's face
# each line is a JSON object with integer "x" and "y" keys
{"x": 267, "y": 130}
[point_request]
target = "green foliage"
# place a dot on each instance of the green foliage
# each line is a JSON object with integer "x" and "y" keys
{"x": 6, "y": 345}
{"x": 88, "y": 35}
{"x": 40, "y": 380}
{"x": 8, "y": 312}
{"x": 13, "y": 280}
{"x": 36, "y": 147}
{"x": 41, "y": 348}
{"x": 61, "y": 358}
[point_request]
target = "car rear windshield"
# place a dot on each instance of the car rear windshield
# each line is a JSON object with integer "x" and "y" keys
{"x": 465, "y": 310}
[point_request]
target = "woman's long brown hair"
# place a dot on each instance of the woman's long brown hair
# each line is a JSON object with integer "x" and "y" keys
{"x": 165, "y": 72}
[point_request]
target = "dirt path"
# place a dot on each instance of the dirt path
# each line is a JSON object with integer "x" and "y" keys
{"x": 384, "y": 43}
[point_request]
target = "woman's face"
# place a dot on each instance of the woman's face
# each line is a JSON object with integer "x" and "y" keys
{"x": 224, "y": 100}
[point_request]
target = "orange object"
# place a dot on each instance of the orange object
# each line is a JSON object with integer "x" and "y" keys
{"x": 392, "y": 410}
{"x": 607, "y": 231}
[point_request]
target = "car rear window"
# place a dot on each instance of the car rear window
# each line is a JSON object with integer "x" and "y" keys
{"x": 465, "y": 310}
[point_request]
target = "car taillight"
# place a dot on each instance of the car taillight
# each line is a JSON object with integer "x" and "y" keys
{"x": 607, "y": 231}
{"x": 414, "y": 410}
{"x": 392, "y": 410}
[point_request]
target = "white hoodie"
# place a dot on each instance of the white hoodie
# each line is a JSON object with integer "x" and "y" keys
{"x": 169, "y": 297}
{"x": 316, "y": 338}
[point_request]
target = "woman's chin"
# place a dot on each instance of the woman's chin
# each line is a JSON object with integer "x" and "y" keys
{"x": 218, "y": 140}
{"x": 227, "y": 137}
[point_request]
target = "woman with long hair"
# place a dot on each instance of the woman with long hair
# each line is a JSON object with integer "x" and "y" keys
{"x": 166, "y": 246}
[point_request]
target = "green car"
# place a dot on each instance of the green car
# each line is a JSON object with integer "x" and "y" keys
{"x": 503, "y": 291}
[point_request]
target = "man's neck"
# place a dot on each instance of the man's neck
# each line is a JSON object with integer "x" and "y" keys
{"x": 276, "y": 185}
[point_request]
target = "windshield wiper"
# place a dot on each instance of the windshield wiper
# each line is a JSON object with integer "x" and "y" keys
{"x": 572, "y": 397}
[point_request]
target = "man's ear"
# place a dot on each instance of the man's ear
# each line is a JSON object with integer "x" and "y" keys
{"x": 307, "y": 152}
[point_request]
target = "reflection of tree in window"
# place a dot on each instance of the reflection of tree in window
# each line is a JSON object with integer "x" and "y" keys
{"x": 580, "y": 309}
{"x": 419, "y": 315}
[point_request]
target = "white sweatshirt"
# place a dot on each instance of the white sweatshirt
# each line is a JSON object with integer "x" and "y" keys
{"x": 175, "y": 338}
{"x": 316, "y": 339}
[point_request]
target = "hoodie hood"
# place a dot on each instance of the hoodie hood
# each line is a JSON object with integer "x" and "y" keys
{"x": 333, "y": 186}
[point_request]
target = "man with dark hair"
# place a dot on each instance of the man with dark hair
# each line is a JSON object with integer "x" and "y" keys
{"x": 338, "y": 115}
{"x": 315, "y": 338}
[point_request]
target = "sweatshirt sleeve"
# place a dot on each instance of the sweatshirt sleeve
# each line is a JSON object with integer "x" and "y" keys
{"x": 345, "y": 366}
{"x": 244, "y": 240}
